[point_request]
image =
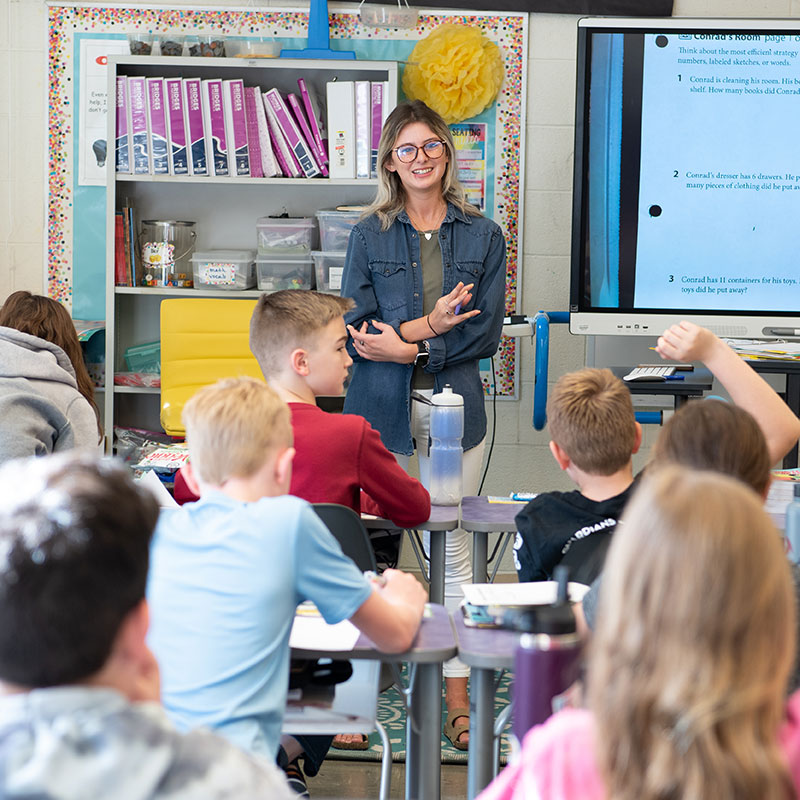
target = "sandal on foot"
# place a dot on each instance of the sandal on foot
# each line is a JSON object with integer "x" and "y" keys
{"x": 295, "y": 779}
{"x": 453, "y": 731}
{"x": 361, "y": 744}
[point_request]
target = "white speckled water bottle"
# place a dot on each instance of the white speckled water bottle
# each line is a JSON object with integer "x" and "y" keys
{"x": 447, "y": 429}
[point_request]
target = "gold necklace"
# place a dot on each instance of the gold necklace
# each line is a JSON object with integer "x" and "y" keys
{"x": 429, "y": 233}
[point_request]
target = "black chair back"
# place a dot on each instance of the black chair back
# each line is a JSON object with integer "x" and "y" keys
{"x": 349, "y": 531}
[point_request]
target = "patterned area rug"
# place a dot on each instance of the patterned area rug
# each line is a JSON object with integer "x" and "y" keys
{"x": 392, "y": 715}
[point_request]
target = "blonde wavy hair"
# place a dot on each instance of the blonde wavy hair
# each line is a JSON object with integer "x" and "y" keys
{"x": 390, "y": 199}
{"x": 694, "y": 644}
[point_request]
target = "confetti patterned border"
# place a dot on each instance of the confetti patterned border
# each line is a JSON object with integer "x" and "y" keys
{"x": 509, "y": 31}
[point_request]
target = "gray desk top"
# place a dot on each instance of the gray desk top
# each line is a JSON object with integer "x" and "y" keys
{"x": 443, "y": 518}
{"x": 479, "y": 515}
{"x": 486, "y": 648}
{"x": 435, "y": 642}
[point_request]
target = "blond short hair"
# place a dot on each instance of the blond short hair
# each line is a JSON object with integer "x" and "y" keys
{"x": 285, "y": 320}
{"x": 590, "y": 416}
{"x": 694, "y": 644}
{"x": 232, "y": 428}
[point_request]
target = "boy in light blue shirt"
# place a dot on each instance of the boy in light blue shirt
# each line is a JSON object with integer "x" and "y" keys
{"x": 228, "y": 571}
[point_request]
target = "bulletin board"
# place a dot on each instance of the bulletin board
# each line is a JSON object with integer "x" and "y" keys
{"x": 79, "y": 35}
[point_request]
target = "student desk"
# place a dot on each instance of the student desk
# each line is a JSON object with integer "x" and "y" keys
{"x": 442, "y": 520}
{"x": 435, "y": 643}
{"x": 480, "y": 517}
{"x": 694, "y": 384}
{"x": 484, "y": 650}
{"x": 477, "y": 516}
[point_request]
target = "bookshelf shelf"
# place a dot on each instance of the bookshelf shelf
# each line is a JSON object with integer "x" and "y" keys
{"x": 137, "y": 390}
{"x": 167, "y": 291}
{"x": 224, "y": 209}
{"x": 227, "y": 181}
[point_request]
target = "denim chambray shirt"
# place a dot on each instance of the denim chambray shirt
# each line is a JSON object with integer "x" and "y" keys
{"x": 382, "y": 274}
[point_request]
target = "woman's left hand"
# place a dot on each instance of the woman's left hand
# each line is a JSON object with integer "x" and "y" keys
{"x": 383, "y": 346}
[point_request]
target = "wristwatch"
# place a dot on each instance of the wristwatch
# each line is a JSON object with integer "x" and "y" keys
{"x": 423, "y": 353}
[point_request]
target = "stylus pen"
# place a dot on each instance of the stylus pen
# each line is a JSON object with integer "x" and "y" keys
{"x": 777, "y": 331}
{"x": 457, "y": 309}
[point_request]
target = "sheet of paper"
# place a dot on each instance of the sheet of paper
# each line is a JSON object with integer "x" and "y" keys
{"x": 519, "y": 594}
{"x": 151, "y": 482}
{"x": 757, "y": 349}
{"x": 313, "y": 633}
{"x": 780, "y": 495}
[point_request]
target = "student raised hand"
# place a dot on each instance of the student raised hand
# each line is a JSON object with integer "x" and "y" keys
{"x": 689, "y": 342}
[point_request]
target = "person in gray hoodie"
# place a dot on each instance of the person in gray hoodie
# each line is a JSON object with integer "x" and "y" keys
{"x": 79, "y": 689}
{"x": 46, "y": 396}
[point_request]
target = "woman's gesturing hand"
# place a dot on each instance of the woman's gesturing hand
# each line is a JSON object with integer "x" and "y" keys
{"x": 447, "y": 314}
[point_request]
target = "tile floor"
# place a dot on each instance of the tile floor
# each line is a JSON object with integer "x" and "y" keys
{"x": 351, "y": 780}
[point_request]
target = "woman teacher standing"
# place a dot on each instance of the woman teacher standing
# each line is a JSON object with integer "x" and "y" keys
{"x": 427, "y": 273}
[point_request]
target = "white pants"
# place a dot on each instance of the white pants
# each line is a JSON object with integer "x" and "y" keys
{"x": 457, "y": 566}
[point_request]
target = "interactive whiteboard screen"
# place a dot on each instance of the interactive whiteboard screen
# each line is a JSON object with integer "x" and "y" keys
{"x": 687, "y": 176}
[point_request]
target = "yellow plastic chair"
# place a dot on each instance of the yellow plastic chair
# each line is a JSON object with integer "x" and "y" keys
{"x": 202, "y": 340}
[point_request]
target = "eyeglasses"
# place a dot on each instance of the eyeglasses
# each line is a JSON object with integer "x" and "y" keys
{"x": 408, "y": 152}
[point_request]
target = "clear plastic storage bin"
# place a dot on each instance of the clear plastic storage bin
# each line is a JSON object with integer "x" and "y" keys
{"x": 329, "y": 268}
{"x": 228, "y": 270}
{"x": 285, "y": 235}
{"x": 335, "y": 227}
{"x": 144, "y": 357}
{"x": 284, "y": 272}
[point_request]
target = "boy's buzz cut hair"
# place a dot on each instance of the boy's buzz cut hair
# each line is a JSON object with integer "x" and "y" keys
{"x": 232, "y": 428}
{"x": 590, "y": 417}
{"x": 285, "y": 320}
{"x": 74, "y": 550}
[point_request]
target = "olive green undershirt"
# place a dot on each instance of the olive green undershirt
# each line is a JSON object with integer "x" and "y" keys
{"x": 430, "y": 258}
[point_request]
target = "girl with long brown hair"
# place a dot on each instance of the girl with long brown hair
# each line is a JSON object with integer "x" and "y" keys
{"x": 46, "y": 395}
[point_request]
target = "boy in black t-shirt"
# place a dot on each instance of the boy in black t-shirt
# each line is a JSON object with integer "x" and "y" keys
{"x": 593, "y": 436}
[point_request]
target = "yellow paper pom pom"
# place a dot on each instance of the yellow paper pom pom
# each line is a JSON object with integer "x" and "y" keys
{"x": 456, "y": 71}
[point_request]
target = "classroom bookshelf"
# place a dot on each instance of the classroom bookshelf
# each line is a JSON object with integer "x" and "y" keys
{"x": 225, "y": 209}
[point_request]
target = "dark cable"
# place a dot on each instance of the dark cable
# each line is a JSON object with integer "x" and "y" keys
{"x": 496, "y": 548}
{"x": 494, "y": 428}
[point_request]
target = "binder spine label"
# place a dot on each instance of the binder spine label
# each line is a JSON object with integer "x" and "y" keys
{"x": 138, "y": 126}
{"x": 179, "y": 152}
{"x": 194, "y": 126}
{"x": 123, "y": 153}
{"x": 157, "y": 126}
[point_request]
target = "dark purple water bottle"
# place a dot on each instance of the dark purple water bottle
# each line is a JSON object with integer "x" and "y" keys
{"x": 546, "y": 661}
